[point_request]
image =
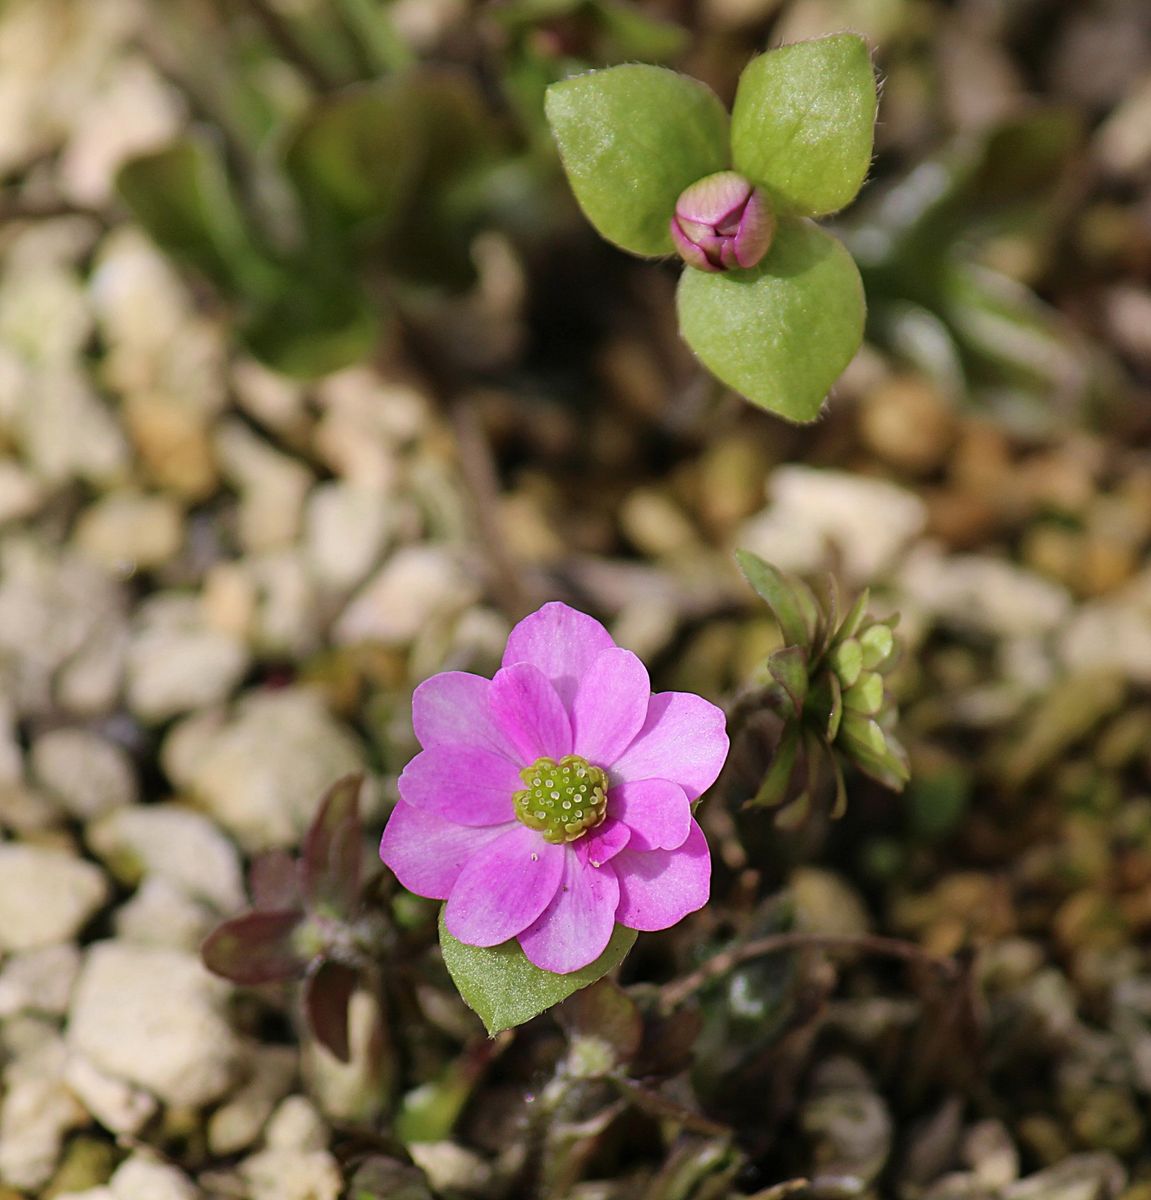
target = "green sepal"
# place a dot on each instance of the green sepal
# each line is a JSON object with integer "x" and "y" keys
{"x": 847, "y": 661}
{"x": 505, "y": 989}
{"x": 803, "y": 123}
{"x": 632, "y": 138}
{"x": 781, "y": 333}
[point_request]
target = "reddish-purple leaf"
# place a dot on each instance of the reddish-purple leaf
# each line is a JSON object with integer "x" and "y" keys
{"x": 330, "y": 863}
{"x": 326, "y": 996}
{"x": 257, "y": 947}
{"x": 274, "y": 881}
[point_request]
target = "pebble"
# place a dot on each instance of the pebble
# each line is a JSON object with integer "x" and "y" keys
{"x": 868, "y": 522}
{"x": 161, "y": 913}
{"x": 295, "y": 1164}
{"x": 127, "y": 530}
{"x": 983, "y": 594}
{"x": 237, "y": 1123}
{"x": 272, "y": 486}
{"x": 114, "y": 1103}
{"x": 46, "y": 895}
{"x": 86, "y": 773}
{"x": 175, "y": 843}
{"x": 345, "y": 530}
{"x": 154, "y": 1017}
{"x": 39, "y": 981}
{"x": 418, "y": 586}
{"x": 177, "y": 661}
{"x": 37, "y": 1108}
{"x": 262, "y": 772}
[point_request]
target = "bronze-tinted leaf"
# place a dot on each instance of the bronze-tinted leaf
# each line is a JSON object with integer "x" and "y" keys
{"x": 274, "y": 882}
{"x": 257, "y": 947}
{"x": 330, "y": 863}
{"x": 327, "y": 994}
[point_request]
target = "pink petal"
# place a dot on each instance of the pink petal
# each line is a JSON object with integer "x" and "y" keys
{"x": 660, "y": 887}
{"x": 529, "y": 713}
{"x": 657, "y": 812}
{"x": 561, "y": 642}
{"x": 428, "y": 853}
{"x": 452, "y": 709}
{"x": 462, "y": 784}
{"x": 610, "y": 706}
{"x": 603, "y": 843}
{"x": 577, "y": 925}
{"x": 504, "y": 887}
{"x": 688, "y": 250}
{"x": 684, "y": 739}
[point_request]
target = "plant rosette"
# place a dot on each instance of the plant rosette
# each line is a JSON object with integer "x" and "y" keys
{"x": 773, "y": 305}
{"x": 551, "y": 808}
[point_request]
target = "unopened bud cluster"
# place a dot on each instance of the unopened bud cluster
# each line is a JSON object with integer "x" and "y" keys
{"x": 722, "y": 223}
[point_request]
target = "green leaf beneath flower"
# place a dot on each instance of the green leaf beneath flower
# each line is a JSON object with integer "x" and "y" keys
{"x": 632, "y": 138}
{"x": 804, "y": 122}
{"x": 181, "y": 195}
{"x": 782, "y": 333}
{"x": 506, "y": 989}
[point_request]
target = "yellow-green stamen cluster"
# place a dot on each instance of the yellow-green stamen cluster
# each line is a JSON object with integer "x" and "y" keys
{"x": 562, "y": 800}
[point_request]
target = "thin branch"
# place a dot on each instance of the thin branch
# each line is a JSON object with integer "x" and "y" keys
{"x": 724, "y": 963}
{"x": 16, "y": 208}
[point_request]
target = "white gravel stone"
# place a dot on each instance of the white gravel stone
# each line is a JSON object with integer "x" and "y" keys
{"x": 39, "y": 980}
{"x": 176, "y": 843}
{"x": 417, "y": 586}
{"x": 155, "y": 1018}
{"x": 272, "y": 487}
{"x": 345, "y": 531}
{"x": 262, "y": 773}
{"x": 868, "y": 522}
{"x": 46, "y": 895}
{"x": 177, "y": 661}
{"x": 128, "y": 530}
{"x": 142, "y": 1178}
{"x": 116, "y": 1104}
{"x": 37, "y": 1109}
{"x": 296, "y": 1164}
{"x": 87, "y": 774}
{"x": 983, "y": 594}
{"x": 161, "y": 913}
{"x": 237, "y": 1123}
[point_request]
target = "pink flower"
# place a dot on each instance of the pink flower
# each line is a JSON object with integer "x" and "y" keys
{"x": 553, "y": 801}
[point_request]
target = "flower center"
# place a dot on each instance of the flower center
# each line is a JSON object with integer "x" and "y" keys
{"x": 564, "y": 799}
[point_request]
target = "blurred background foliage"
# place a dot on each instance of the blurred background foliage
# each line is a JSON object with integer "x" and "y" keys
{"x": 313, "y": 379}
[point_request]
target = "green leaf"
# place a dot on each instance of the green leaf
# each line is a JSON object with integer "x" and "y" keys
{"x": 782, "y": 333}
{"x": 505, "y": 989}
{"x": 632, "y": 138}
{"x": 789, "y": 599}
{"x": 310, "y": 330}
{"x": 789, "y": 669}
{"x": 181, "y": 195}
{"x": 354, "y": 159}
{"x": 777, "y": 780}
{"x": 804, "y": 122}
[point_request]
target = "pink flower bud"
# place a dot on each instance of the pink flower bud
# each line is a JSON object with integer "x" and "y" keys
{"x": 722, "y": 222}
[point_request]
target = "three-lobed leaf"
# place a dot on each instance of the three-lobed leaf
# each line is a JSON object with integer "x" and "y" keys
{"x": 632, "y": 138}
{"x": 804, "y": 121}
{"x": 505, "y": 989}
{"x": 782, "y": 333}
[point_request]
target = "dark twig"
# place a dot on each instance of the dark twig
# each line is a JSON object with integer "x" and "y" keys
{"x": 724, "y": 963}
{"x": 16, "y": 208}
